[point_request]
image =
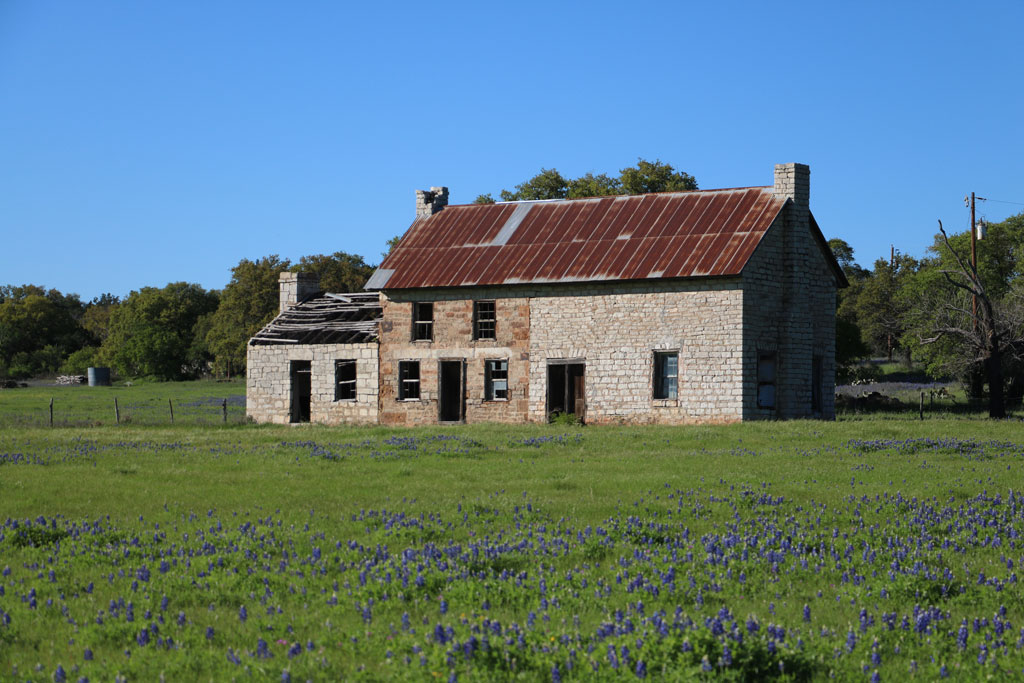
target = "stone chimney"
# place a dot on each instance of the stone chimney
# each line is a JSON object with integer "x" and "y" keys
{"x": 296, "y": 287}
{"x": 429, "y": 202}
{"x": 793, "y": 181}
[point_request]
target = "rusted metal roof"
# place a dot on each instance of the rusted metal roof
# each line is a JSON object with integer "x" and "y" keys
{"x": 325, "y": 319}
{"x": 634, "y": 237}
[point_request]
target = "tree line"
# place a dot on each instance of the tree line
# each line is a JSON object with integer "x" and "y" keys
{"x": 958, "y": 320}
{"x": 179, "y": 331}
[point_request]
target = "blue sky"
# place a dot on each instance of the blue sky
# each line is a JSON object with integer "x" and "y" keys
{"x": 149, "y": 142}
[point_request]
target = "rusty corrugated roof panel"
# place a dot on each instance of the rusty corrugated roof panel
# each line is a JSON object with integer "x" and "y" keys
{"x": 669, "y": 235}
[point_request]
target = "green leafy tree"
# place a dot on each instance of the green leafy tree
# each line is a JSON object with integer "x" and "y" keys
{"x": 248, "y": 302}
{"x": 850, "y": 346}
{"x": 655, "y": 176}
{"x": 96, "y": 318}
{"x": 590, "y": 185}
{"x": 880, "y": 308}
{"x": 151, "y": 332}
{"x": 968, "y": 321}
{"x": 33, "y": 319}
{"x": 338, "y": 272}
{"x": 484, "y": 199}
{"x": 548, "y": 184}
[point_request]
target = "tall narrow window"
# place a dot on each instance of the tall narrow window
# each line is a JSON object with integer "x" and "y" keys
{"x": 816, "y": 379}
{"x": 496, "y": 380}
{"x": 666, "y": 374}
{"x": 422, "y": 321}
{"x": 344, "y": 380}
{"x": 484, "y": 320}
{"x": 408, "y": 380}
{"x": 766, "y": 362}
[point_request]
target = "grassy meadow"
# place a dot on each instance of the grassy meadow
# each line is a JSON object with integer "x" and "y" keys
{"x": 863, "y": 550}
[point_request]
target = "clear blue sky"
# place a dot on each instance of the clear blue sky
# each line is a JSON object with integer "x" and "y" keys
{"x": 148, "y": 142}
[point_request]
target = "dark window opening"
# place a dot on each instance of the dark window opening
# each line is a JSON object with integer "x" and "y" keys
{"x": 408, "y": 380}
{"x": 816, "y": 380}
{"x": 666, "y": 374}
{"x": 766, "y": 366}
{"x": 566, "y": 389}
{"x": 422, "y": 321}
{"x": 484, "y": 320}
{"x": 344, "y": 380}
{"x": 302, "y": 389}
{"x": 450, "y": 391}
{"x": 496, "y": 380}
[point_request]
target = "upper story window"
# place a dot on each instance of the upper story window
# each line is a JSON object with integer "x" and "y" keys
{"x": 666, "y": 374}
{"x": 344, "y": 380}
{"x": 484, "y": 320}
{"x": 422, "y": 321}
{"x": 496, "y": 380}
{"x": 408, "y": 380}
{"x": 766, "y": 366}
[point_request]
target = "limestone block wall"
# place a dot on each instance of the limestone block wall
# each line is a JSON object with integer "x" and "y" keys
{"x": 453, "y": 340}
{"x": 268, "y": 383}
{"x": 789, "y": 308}
{"x": 616, "y": 328}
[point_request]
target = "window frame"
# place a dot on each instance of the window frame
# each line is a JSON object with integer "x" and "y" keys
{"x": 492, "y": 366}
{"x": 350, "y": 385}
{"x": 422, "y": 327}
{"x": 408, "y": 386}
{"x": 763, "y": 381}
{"x": 660, "y": 387}
{"x": 479, "y": 320}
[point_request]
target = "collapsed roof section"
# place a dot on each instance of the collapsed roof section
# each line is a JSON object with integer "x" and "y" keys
{"x": 350, "y": 318}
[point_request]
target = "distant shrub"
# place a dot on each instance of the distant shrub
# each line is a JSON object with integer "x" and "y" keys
{"x": 80, "y": 361}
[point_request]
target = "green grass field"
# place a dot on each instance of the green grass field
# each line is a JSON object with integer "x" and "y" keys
{"x": 798, "y": 550}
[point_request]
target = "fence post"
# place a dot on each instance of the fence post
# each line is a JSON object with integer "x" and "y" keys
{"x": 171, "y": 407}
{"x": 117, "y": 412}
{"x": 51, "y": 411}
{"x": 224, "y": 409}
{"x": 922, "y": 405}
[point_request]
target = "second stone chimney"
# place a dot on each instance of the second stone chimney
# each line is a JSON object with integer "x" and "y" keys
{"x": 296, "y": 287}
{"x": 429, "y": 202}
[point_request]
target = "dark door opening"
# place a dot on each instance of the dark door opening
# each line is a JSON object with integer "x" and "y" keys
{"x": 450, "y": 390}
{"x": 302, "y": 388}
{"x": 567, "y": 390}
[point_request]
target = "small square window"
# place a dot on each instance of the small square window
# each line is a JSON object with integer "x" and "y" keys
{"x": 422, "y": 321}
{"x": 484, "y": 320}
{"x": 408, "y": 380}
{"x": 344, "y": 380}
{"x": 766, "y": 365}
{"x": 496, "y": 380}
{"x": 666, "y": 374}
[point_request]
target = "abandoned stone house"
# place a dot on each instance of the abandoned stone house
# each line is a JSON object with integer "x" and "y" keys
{"x": 671, "y": 308}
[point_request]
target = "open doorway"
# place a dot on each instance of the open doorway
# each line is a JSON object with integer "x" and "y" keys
{"x": 451, "y": 382}
{"x": 566, "y": 389}
{"x": 302, "y": 388}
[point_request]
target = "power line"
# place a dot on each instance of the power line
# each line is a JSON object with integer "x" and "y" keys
{"x": 1001, "y": 201}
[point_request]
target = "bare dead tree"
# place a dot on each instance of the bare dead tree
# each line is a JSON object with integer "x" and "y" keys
{"x": 986, "y": 332}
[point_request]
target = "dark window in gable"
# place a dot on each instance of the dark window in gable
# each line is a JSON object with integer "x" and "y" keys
{"x": 766, "y": 366}
{"x": 666, "y": 374}
{"x": 496, "y": 380}
{"x": 408, "y": 380}
{"x": 344, "y": 380}
{"x": 484, "y": 320}
{"x": 423, "y": 321}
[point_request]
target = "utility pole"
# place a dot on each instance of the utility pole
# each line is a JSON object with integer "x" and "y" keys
{"x": 977, "y": 378}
